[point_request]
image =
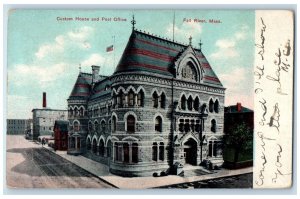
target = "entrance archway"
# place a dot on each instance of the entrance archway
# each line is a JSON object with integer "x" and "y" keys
{"x": 190, "y": 151}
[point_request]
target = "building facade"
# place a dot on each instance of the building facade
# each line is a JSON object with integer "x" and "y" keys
{"x": 61, "y": 128}
{"x": 17, "y": 126}
{"x": 43, "y": 121}
{"x": 163, "y": 106}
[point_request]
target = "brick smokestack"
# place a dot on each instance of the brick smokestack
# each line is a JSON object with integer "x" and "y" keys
{"x": 239, "y": 107}
{"x": 44, "y": 100}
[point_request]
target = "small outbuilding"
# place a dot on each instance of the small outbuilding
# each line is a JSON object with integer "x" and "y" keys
{"x": 61, "y": 135}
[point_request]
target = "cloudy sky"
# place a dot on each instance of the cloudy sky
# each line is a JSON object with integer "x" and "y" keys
{"x": 44, "y": 53}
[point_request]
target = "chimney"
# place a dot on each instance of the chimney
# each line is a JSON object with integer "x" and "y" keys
{"x": 95, "y": 71}
{"x": 44, "y": 100}
{"x": 239, "y": 107}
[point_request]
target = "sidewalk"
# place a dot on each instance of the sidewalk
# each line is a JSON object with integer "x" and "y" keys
{"x": 102, "y": 171}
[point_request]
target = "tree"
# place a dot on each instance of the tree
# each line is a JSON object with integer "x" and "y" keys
{"x": 240, "y": 137}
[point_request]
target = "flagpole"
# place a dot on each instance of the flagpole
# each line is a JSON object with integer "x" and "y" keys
{"x": 114, "y": 51}
{"x": 173, "y": 24}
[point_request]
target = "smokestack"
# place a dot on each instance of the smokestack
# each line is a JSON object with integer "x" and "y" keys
{"x": 44, "y": 100}
{"x": 239, "y": 107}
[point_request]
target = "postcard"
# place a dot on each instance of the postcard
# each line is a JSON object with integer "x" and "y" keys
{"x": 142, "y": 99}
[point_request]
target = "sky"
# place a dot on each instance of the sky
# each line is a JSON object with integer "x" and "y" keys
{"x": 44, "y": 53}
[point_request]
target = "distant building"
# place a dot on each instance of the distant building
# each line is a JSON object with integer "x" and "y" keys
{"x": 235, "y": 115}
{"x": 61, "y": 135}
{"x": 17, "y": 126}
{"x": 43, "y": 119}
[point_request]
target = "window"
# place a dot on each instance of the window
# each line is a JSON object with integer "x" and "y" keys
{"x": 130, "y": 124}
{"x": 126, "y": 152}
{"x": 114, "y": 124}
{"x": 154, "y": 151}
{"x": 211, "y": 106}
{"x": 196, "y": 104}
{"x": 135, "y": 152}
{"x": 96, "y": 126}
{"x": 108, "y": 148}
{"x": 158, "y": 124}
{"x": 163, "y": 100}
{"x": 103, "y": 126}
{"x": 155, "y": 100}
{"x": 190, "y": 103}
{"x": 81, "y": 111}
{"x": 216, "y": 106}
{"x": 131, "y": 98}
{"x": 141, "y": 98}
{"x": 213, "y": 125}
{"x": 197, "y": 127}
{"x": 183, "y": 102}
{"x": 123, "y": 100}
{"x": 76, "y": 126}
{"x": 109, "y": 125}
{"x": 181, "y": 125}
{"x": 161, "y": 151}
{"x": 101, "y": 148}
{"x": 94, "y": 146}
{"x": 88, "y": 145}
{"x": 117, "y": 158}
{"x": 187, "y": 126}
{"x": 75, "y": 111}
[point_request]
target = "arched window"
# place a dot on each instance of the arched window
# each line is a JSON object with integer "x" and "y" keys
{"x": 130, "y": 124}
{"x": 108, "y": 148}
{"x": 101, "y": 148}
{"x": 158, "y": 124}
{"x": 126, "y": 152}
{"x": 114, "y": 124}
{"x": 161, "y": 151}
{"x": 121, "y": 99}
{"x": 96, "y": 126}
{"x": 94, "y": 146}
{"x": 131, "y": 100}
{"x": 190, "y": 103}
{"x": 189, "y": 72}
{"x": 181, "y": 125}
{"x": 135, "y": 153}
{"x": 75, "y": 111}
{"x": 103, "y": 126}
{"x": 88, "y": 144}
{"x": 196, "y": 104}
{"x": 116, "y": 146}
{"x": 163, "y": 100}
{"x": 183, "y": 102}
{"x": 109, "y": 126}
{"x": 70, "y": 112}
{"x": 81, "y": 111}
{"x": 211, "y": 106}
{"x": 141, "y": 98}
{"x": 154, "y": 151}
{"x": 197, "y": 126}
{"x": 216, "y": 106}
{"x": 187, "y": 125}
{"x": 76, "y": 126}
{"x": 213, "y": 125}
{"x": 155, "y": 99}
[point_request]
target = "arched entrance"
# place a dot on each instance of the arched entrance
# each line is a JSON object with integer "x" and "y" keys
{"x": 190, "y": 151}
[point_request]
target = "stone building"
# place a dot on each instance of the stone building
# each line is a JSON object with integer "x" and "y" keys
{"x": 43, "y": 119}
{"x": 163, "y": 105}
{"x": 16, "y": 126}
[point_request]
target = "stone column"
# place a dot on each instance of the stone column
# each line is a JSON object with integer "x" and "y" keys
{"x": 135, "y": 100}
